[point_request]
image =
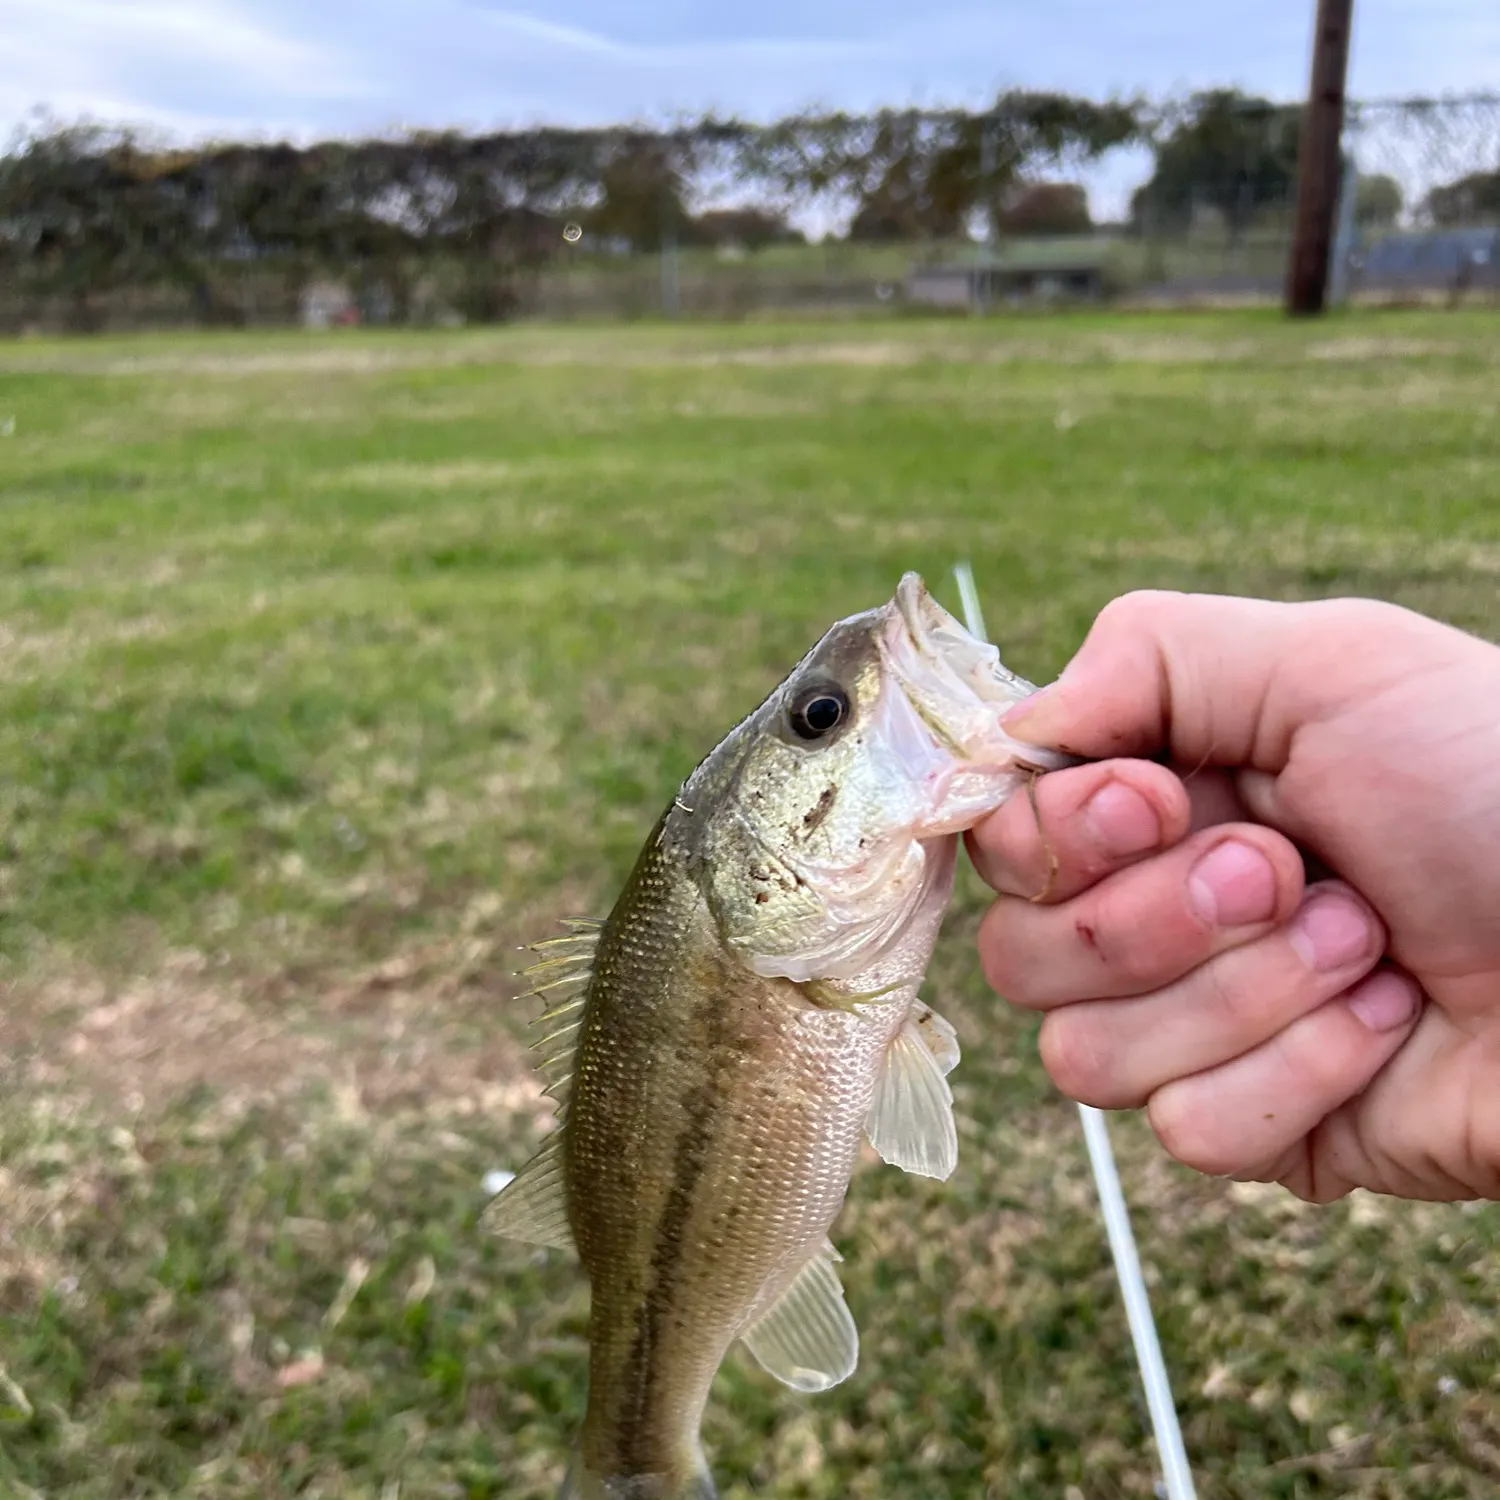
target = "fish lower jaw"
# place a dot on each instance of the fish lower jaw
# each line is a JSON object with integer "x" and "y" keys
{"x": 965, "y": 793}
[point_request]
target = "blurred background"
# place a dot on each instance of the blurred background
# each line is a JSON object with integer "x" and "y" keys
{"x": 257, "y": 165}
{"x": 424, "y": 432}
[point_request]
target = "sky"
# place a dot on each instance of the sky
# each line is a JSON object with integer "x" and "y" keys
{"x": 310, "y": 68}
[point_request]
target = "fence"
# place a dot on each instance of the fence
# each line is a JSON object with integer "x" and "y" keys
{"x": 1191, "y": 200}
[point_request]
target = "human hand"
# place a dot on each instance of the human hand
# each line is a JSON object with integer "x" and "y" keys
{"x": 1327, "y": 1034}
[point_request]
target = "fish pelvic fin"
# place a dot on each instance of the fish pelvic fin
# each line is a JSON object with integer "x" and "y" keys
{"x": 582, "y": 1483}
{"x": 910, "y": 1123}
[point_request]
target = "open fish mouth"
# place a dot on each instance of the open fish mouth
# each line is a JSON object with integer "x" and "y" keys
{"x": 944, "y": 719}
{"x": 935, "y": 658}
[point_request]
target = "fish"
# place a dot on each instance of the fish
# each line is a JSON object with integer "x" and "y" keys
{"x": 724, "y": 1042}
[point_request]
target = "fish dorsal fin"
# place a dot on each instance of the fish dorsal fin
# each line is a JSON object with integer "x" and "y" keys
{"x": 910, "y": 1123}
{"x": 807, "y": 1339}
{"x": 561, "y": 980}
{"x": 533, "y": 1206}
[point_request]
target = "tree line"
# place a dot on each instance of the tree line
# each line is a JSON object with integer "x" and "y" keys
{"x": 88, "y": 209}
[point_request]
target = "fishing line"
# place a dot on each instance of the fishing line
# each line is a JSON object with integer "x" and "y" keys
{"x": 1164, "y": 1422}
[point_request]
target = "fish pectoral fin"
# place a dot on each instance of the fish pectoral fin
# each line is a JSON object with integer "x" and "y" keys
{"x": 807, "y": 1339}
{"x": 533, "y": 1206}
{"x": 937, "y": 1034}
{"x": 910, "y": 1123}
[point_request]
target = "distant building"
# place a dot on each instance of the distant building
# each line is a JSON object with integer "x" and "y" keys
{"x": 1066, "y": 268}
{"x": 327, "y": 304}
{"x": 1439, "y": 260}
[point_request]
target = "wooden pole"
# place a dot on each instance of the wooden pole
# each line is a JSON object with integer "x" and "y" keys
{"x": 1318, "y": 160}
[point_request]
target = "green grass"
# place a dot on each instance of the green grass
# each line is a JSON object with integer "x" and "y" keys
{"x": 332, "y": 668}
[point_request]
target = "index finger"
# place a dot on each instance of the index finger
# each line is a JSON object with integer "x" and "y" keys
{"x": 1218, "y": 680}
{"x": 1079, "y": 825}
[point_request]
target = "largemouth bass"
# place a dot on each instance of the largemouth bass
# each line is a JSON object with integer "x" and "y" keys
{"x": 747, "y": 1014}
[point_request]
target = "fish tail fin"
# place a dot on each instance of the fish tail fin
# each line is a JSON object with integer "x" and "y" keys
{"x": 582, "y": 1483}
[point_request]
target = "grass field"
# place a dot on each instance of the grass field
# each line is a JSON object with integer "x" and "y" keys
{"x": 332, "y": 668}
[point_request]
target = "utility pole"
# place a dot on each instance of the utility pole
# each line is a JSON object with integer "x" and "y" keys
{"x": 1319, "y": 156}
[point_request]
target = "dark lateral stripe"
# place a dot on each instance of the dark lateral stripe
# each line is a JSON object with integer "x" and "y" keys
{"x": 635, "y": 1433}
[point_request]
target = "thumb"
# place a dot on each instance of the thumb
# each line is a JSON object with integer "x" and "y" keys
{"x": 1210, "y": 679}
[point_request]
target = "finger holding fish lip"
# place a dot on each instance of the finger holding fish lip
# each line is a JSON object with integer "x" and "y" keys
{"x": 1082, "y": 824}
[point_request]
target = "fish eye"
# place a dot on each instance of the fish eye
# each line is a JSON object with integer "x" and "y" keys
{"x": 818, "y": 710}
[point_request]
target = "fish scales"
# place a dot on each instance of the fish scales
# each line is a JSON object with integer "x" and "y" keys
{"x": 747, "y": 1015}
{"x": 716, "y": 1119}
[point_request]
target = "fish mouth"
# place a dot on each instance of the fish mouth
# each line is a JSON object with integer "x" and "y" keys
{"x": 938, "y": 646}
{"x": 957, "y": 683}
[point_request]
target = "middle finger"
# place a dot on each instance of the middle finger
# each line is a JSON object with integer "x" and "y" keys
{"x": 1145, "y": 926}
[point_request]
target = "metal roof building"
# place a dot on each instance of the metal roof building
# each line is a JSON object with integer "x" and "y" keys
{"x": 1068, "y": 266}
{"x": 1435, "y": 260}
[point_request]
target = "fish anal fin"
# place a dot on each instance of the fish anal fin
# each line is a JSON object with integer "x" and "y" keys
{"x": 807, "y": 1338}
{"x": 910, "y": 1123}
{"x": 533, "y": 1206}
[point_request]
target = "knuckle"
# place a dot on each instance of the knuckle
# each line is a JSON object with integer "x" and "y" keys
{"x": 1131, "y": 951}
{"x": 1235, "y": 997}
{"x": 1137, "y": 964}
{"x": 1138, "y": 612}
{"x": 1071, "y": 1053}
{"x": 1323, "y": 1059}
{"x": 1186, "y": 1125}
{"x": 999, "y": 952}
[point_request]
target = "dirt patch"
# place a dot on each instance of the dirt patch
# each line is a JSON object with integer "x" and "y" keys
{"x": 26, "y": 655}
{"x": 541, "y": 346}
{"x": 460, "y": 473}
{"x": 432, "y": 1030}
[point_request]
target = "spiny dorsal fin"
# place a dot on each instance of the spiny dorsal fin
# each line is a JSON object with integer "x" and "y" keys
{"x": 807, "y": 1338}
{"x": 533, "y": 1206}
{"x": 561, "y": 978}
{"x": 910, "y": 1123}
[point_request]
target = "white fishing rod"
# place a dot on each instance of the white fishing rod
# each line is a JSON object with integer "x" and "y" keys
{"x": 1164, "y": 1423}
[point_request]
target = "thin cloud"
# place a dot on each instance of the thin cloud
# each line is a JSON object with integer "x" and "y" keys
{"x": 342, "y": 68}
{"x": 686, "y": 54}
{"x": 158, "y": 63}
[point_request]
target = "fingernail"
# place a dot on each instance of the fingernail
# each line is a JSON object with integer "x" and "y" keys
{"x": 1121, "y": 820}
{"x": 1233, "y": 885}
{"x": 1331, "y": 932}
{"x": 1385, "y": 1001}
